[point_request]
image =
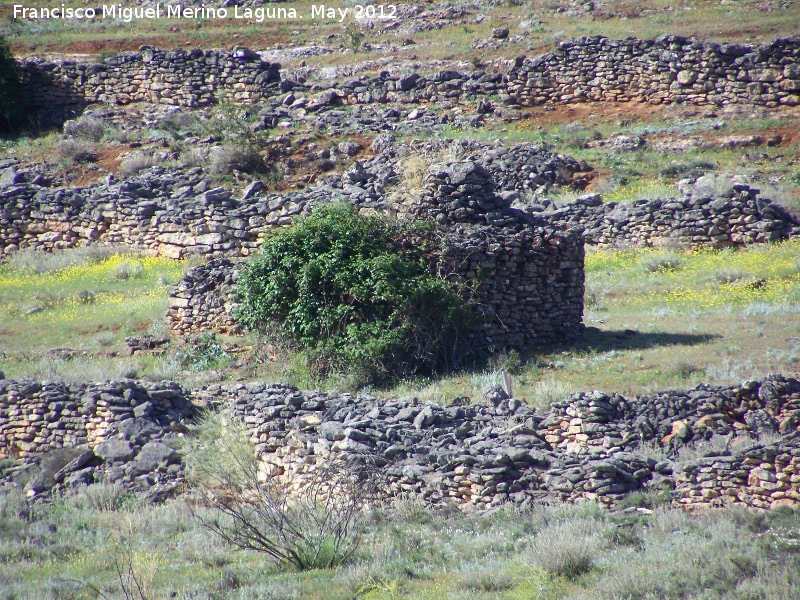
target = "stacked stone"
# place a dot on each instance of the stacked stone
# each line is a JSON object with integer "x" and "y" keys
{"x": 764, "y": 476}
{"x": 522, "y": 274}
{"x": 116, "y": 430}
{"x": 529, "y": 167}
{"x": 665, "y": 70}
{"x": 480, "y": 456}
{"x": 412, "y": 87}
{"x": 597, "y": 423}
{"x": 472, "y": 456}
{"x": 177, "y": 212}
{"x": 203, "y": 299}
{"x": 736, "y": 217}
{"x": 525, "y": 283}
{"x": 523, "y": 277}
{"x": 461, "y": 192}
{"x": 175, "y": 77}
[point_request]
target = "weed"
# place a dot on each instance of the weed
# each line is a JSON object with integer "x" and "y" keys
{"x": 507, "y": 361}
{"x": 90, "y": 129}
{"x": 549, "y": 390}
{"x": 71, "y": 151}
{"x": 562, "y": 549}
{"x": 353, "y": 38}
{"x": 204, "y": 352}
{"x": 126, "y": 270}
{"x": 37, "y": 262}
{"x": 135, "y": 162}
{"x": 689, "y": 170}
{"x": 658, "y": 263}
{"x": 318, "y": 526}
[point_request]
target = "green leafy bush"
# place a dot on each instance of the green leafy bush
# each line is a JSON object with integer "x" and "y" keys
{"x": 356, "y": 297}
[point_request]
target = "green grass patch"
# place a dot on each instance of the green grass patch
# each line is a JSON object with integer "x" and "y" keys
{"x": 660, "y": 319}
{"x": 548, "y": 552}
{"x": 87, "y": 307}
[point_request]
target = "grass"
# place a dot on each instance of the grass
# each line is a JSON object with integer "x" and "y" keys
{"x": 740, "y": 21}
{"x": 657, "y": 319}
{"x": 660, "y": 319}
{"x": 652, "y": 172}
{"x": 84, "y": 300}
{"x": 549, "y": 552}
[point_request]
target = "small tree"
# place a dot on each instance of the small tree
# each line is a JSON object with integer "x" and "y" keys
{"x": 11, "y": 101}
{"x": 316, "y": 524}
{"x": 355, "y": 295}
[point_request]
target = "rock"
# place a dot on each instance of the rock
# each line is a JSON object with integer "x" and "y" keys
{"x": 424, "y": 418}
{"x": 114, "y": 450}
{"x": 500, "y": 33}
{"x": 686, "y": 77}
{"x": 151, "y": 456}
{"x": 496, "y": 395}
{"x": 382, "y": 143}
{"x": 252, "y": 189}
{"x": 626, "y": 143}
{"x": 349, "y": 148}
{"x": 331, "y": 430}
{"x": 760, "y": 421}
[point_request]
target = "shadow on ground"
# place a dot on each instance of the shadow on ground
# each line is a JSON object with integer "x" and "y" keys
{"x": 629, "y": 339}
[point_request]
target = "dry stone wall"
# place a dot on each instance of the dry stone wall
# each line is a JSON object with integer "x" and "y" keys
{"x": 180, "y": 212}
{"x": 204, "y": 299}
{"x": 665, "y": 70}
{"x": 702, "y": 216}
{"x": 591, "y": 446}
{"x": 708, "y": 446}
{"x": 59, "y": 90}
{"x": 595, "y": 68}
{"x": 669, "y": 69}
{"x": 524, "y": 276}
{"x": 113, "y": 432}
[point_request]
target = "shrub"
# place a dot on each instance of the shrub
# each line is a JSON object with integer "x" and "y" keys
{"x": 31, "y": 260}
{"x": 224, "y": 159}
{"x": 661, "y": 263}
{"x": 353, "y": 38}
{"x": 71, "y": 151}
{"x": 316, "y": 525}
{"x": 86, "y": 128}
{"x": 135, "y": 162}
{"x": 176, "y": 122}
{"x": 563, "y": 549}
{"x": 547, "y": 391}
{"x": 127, "y": 270}
{"x": 338, "y": 286}
{"x": 691, "y": 170}
{"x": 205, "y": 352}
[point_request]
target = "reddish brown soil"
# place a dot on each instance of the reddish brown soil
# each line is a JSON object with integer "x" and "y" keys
{"x": 600, "y": 112}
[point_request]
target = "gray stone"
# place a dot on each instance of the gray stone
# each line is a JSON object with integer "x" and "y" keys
{"x": 113, "y": 450}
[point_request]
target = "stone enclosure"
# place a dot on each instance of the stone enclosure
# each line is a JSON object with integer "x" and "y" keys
{"x": 709, "y": 446}
{"x": 665, "y": 70}
{"x": 522, "y": 261}
{"x": 59, "y": 90}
